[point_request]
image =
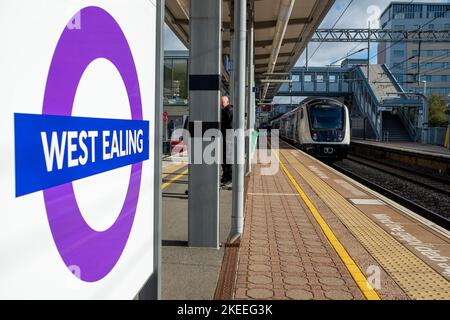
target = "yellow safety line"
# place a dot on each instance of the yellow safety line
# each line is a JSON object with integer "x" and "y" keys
{"x": 177, "y": 177}
{"x": 169, "y": 170}
{"x": 349, "y": 263}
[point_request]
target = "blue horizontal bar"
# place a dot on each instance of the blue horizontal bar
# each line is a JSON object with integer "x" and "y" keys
{"x": 54, "y": 150}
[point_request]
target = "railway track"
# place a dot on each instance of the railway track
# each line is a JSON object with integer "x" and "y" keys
{"x": 436, "y": 184}
{"x": 431, "y": 215}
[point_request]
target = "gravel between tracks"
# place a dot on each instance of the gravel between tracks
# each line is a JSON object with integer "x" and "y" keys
{"x": 423, "y": 196}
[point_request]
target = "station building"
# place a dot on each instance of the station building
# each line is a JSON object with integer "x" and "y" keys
{"x": 431, "y": 72}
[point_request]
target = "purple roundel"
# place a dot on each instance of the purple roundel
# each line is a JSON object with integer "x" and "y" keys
{"x": 93, "y": 253}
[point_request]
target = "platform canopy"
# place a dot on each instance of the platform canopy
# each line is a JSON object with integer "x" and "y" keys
{"x": 283, "y": 28}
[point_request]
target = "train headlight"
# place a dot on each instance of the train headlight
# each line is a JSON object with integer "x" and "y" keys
{"x": 340, "y": 135}
{"x": 315, "y": 136}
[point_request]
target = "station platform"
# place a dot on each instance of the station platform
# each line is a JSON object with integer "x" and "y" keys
{"x": 187, "y": 273}
{"x": 412, "y": 147}
{"x": 430, "y": 160}
{"x": 312, "y": 233}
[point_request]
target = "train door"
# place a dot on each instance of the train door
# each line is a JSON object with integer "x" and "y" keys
{"x": 294, "y": 127}
{"x": 291, "y": 127}
{"x": 300, "y": 125}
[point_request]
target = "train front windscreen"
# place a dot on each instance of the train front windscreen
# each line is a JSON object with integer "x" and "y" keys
{"x": 326, "y": 117}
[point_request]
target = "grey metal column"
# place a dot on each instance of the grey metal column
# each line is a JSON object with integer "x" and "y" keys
{"x": 152, "y": 288}
{"x": 249, "y": 97}
{"x": 252, "y": 81}
{"x": 448, "y": 113}
{"x": 368, "y": 55}
{"x": 307, "y": 58}
{"x": 204, "y": 113}
{"x": 232, "y": 87}
{"x": 160, "y": 13}
{"x": 240, "y": 17}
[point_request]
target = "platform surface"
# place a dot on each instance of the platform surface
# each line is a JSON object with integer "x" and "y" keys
{"x": 187, "y": 273}
{"x": 312, "y": 233}
{"x": 409, "y": 147}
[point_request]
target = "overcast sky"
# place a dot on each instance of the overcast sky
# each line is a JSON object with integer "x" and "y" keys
{"x": 357, "y": 16}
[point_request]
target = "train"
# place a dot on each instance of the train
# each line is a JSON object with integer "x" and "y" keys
{"x": 318, "y": 126}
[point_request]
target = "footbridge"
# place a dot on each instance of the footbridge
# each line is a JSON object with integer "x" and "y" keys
{"x": 371, "y": 92}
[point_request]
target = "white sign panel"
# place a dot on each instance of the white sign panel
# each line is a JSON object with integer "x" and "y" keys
{"x": 77, "y": 106}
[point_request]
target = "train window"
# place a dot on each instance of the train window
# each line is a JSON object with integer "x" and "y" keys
{"x": 308, "y": 78}
{"x": 327, "y": 117}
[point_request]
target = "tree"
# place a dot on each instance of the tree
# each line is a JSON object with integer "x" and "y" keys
{"x": 437, "y": 106}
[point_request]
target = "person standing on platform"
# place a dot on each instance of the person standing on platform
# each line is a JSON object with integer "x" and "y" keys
{"x": 226, "y": 125}
{"x": 170, "y": 128}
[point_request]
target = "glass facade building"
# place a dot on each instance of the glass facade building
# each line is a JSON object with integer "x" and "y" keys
{"x": 176, "y": 78}
{"x": 176, "y": 90}
{"x": 430, "y": 73}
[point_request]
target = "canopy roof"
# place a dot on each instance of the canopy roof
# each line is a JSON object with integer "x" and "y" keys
{"x": 281, "y": 26}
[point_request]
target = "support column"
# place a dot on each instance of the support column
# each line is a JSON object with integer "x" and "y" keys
{"x": 152, "y": 288}
{"x": 307, "y": 59}
{"x": 253, "y": 93}
{"x": 232, "y": 46}
{"x": 204, "y": 113}
{"x": 250, "y": 115}
{"x": 368, "y": 55}
{"x": 448, "y": 130}
{"x": 240, "y": 17}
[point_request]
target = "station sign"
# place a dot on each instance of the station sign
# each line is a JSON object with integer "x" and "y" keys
{"x": 77, "y": 96}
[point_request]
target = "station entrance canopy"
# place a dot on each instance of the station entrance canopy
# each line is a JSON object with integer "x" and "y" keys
{"x": 283, "y": 29}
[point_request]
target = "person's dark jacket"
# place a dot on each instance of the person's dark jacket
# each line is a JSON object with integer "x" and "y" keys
{"x": 226, "y": 119}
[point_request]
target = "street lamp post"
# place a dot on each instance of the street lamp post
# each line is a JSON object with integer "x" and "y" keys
{"x": 425, "y": 126}
{"x": 424, "y": 87}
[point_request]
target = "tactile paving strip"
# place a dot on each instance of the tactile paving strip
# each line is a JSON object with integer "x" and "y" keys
{"x": 415, "y": 277}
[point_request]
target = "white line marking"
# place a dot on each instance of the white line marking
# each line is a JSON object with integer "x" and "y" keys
{"x": 318, "y": 172}
{"x": 347, "y": 186}
{"x": 425, "y": 249}
{"x": 367, "y": 202}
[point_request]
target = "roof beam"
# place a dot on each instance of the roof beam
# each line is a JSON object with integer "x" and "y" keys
{"x": 258, "y": 24}
{"x": 176, "y": 28}
{"x": 265, "y": 43}
{"x": 267, "y": 55}
{"x": 264, "y": 70}
{"x": 185, "y": 22}
{"x": 272, "y": 24}
{"x": 279, "y": 64}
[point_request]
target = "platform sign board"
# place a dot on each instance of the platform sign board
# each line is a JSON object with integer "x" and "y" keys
{"x": 77, "y": 111}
